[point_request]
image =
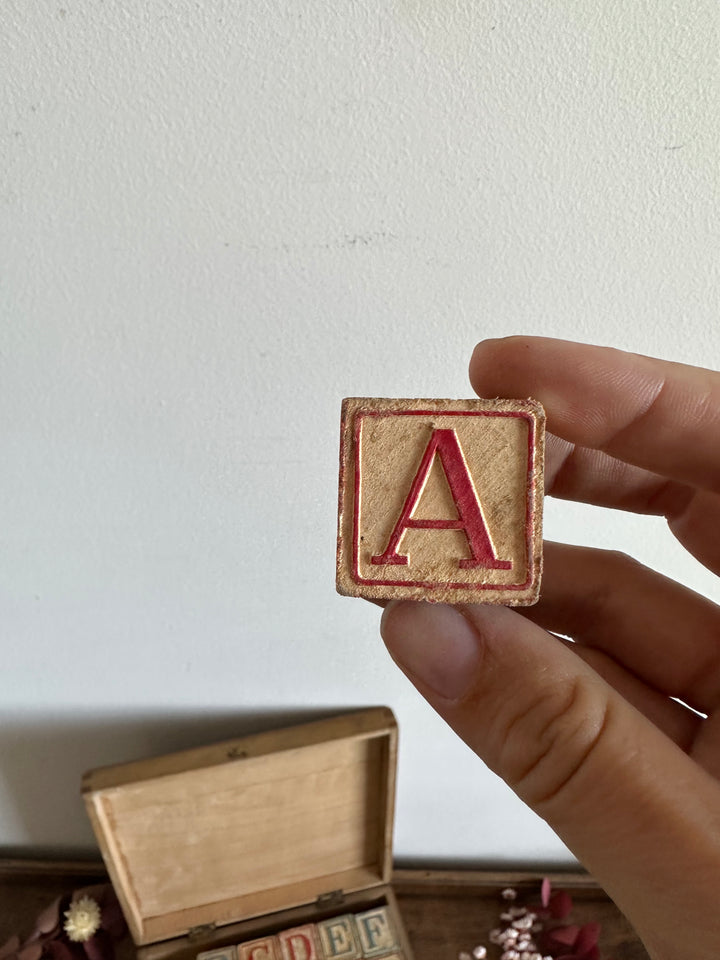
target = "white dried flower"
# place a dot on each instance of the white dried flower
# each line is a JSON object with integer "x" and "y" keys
{"x": 82, "y": 920}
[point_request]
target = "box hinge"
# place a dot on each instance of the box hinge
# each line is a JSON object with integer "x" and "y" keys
{"x": 332, "y": 898}
{"x": 200, "y": 932}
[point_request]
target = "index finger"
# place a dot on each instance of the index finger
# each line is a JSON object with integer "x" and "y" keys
{"x": 656, "y": 414}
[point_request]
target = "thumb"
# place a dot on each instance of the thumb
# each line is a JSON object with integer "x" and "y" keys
{"x": 625, "y": 799}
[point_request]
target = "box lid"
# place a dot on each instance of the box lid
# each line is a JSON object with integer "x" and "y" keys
{"x": 250, "y": 826}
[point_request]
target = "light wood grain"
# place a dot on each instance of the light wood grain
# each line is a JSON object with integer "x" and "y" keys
{"x": 247, "y": 828}
{"x": 441, "y": 500}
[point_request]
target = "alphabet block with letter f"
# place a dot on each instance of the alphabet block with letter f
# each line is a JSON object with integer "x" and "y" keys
{"x": 441, "y": 500}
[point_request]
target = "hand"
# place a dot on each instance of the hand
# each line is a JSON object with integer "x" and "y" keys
{"x": 588, "y": 734}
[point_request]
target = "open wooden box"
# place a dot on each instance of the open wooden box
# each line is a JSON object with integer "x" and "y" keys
{"x": 226, "y": 843}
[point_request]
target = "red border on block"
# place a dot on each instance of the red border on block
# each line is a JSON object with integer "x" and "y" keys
{"x": 360, "y": 414}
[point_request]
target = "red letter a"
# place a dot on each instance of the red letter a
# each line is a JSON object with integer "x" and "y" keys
{"x": 446, "y": 445}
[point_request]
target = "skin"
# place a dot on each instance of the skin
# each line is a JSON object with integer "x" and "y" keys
{"x": 588, "y": 734}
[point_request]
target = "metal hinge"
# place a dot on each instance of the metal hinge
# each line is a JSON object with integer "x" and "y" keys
{"x": 201, "y": 931}
{"x": 331, "y": 899}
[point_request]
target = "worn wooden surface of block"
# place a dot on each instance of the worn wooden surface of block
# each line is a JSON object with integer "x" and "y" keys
{"x": 441, "y": 500}
{"x": 376, "y": 932}
{"x": 264, "y": 948}
{"x": 299, "y": 943}
{"x": 338, "y": 938}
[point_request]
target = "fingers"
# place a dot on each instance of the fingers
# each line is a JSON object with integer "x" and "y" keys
{"x": 630, "y": 804}
{"x": 676, "y": 721}
{"x": 591, "y": 476}
{"x": 658, "y": 415}
{"x": 665, "y": 634}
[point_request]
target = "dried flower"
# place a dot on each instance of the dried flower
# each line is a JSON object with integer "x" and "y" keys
{"x": 540, "y": 933}
{"x": 92, "y": 926}
{"x": 82, "y": 919}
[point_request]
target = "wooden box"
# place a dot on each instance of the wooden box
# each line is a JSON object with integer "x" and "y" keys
{"x": 225, "y": 844}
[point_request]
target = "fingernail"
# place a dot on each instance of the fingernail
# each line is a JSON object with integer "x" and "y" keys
{"x": 432, "y": 643}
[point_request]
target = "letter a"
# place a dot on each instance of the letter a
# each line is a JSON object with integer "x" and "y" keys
{"x": 445, "y": 444}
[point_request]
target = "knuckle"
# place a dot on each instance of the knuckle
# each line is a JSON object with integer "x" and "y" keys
{"x": 600, "y": 600}
{"x": 549, "y": 743}
{"x": 623, "y": 562}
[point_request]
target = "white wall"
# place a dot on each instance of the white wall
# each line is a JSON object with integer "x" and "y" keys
{"x": 217, "y": 219}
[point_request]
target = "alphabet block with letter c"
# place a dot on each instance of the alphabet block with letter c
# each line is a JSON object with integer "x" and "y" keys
{"x": 441, "y": 500}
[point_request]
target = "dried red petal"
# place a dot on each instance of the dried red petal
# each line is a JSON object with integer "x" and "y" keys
{"x": 563, "y": 936}
{"x": 545, "y": 891}
{"x": 588, "y": 937}
{"x": 560, "y": 905}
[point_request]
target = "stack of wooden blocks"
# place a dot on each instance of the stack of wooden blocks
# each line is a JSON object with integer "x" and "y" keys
{"x": 369, "y": 934}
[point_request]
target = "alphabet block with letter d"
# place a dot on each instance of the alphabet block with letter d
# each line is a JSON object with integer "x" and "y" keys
{"x": 441, "y": 500}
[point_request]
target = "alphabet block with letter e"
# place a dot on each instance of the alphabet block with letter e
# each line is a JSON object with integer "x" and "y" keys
{"x": 338, "y": 938}
{"x": 441, "y": 500}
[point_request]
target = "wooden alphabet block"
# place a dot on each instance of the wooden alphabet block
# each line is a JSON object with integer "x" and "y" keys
{"x": 441, "y": 500}
{"x": 264, "y": 948}
{"x": 376, "y": 932}
{"x": 338, "y": 938}
{"x": 298, "y": 943}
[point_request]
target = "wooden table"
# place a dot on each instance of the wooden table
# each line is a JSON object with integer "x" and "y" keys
{"x": 448, "y": 912}
{"x": 444, "y": 911}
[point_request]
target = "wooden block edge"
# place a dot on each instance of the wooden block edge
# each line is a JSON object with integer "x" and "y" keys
{"x": 346, "y": 586}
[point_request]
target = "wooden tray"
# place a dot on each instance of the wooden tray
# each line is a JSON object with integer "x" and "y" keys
{"x": 272, "y": 822}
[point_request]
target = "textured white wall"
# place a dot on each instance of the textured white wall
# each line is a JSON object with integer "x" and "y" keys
{"x": 217, "y": 219}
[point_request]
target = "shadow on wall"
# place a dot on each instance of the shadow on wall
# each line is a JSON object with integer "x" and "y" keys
{"x": 42, "y": 761}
